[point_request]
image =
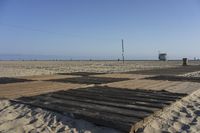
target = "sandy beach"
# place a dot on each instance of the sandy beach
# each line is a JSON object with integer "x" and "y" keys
{"x": 28, "y": 68}
{"x": 98, "y": 66}
{"x": 181, "y": 116}
{"x": 22, "y": 118}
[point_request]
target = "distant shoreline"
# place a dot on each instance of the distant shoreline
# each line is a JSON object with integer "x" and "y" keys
{"x": 94, "y": 60}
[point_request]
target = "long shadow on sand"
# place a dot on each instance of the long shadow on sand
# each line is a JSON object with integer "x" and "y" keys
{"x": 81, "y": 73}
{"x": 168, "y": 71}
{"x": 175, "y": 78}
{"x": 6, "y": 80}
{"x": 89, "y": 80}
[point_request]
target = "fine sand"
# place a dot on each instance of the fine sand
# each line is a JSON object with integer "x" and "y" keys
{"x": 192, "y": 74}
{"x": 20, "y": 118}
{"x": 181, "y": 117}
{"x": 29, "y": 68}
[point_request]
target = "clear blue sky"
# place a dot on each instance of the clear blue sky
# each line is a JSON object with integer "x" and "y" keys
{"x": 82, "y": 29}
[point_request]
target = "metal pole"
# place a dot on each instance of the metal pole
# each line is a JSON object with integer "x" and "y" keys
{"x": 123, "y": 50}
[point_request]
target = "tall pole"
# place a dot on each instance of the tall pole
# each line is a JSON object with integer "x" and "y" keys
{"x": 123, "y": 50}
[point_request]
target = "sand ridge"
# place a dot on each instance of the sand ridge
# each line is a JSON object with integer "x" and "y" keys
{"x": 182, "y": 116}
{"x": 23, "y": 118}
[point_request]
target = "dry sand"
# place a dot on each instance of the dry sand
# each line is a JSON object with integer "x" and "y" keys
{"x": 20, "y": 118}
{"x": 192, "y": 74}
{"x": 181, "y": 117}
{"x": 16, "y": 90}
{"x": 28, "y": 68}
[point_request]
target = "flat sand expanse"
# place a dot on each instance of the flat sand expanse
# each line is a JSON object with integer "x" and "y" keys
{"x": 28, "y": 68}
{"x": 16, "y": 90}
{"x": 183, "y": 116}
{"x": 171, "y": 86}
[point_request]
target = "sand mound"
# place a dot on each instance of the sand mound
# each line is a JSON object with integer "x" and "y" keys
{"x": 183, "y": 116}
{"x": 19, "y": 118}
{"x": 192, "y": 74}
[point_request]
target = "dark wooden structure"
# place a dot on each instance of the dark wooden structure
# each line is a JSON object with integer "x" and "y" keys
{"x": 122, "y": 109}
{"x": 89, "y": 80}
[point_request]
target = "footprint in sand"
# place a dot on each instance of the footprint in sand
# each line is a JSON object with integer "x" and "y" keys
{"x": 194, "y": 122}
{"x": 197, "y": 112}
{"x": 190, "y": 106}
{"x": 185, "y": 127}
{"x": 178, "y": 126}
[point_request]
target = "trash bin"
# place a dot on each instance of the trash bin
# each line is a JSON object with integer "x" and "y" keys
{"x": 185, "y": 61}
